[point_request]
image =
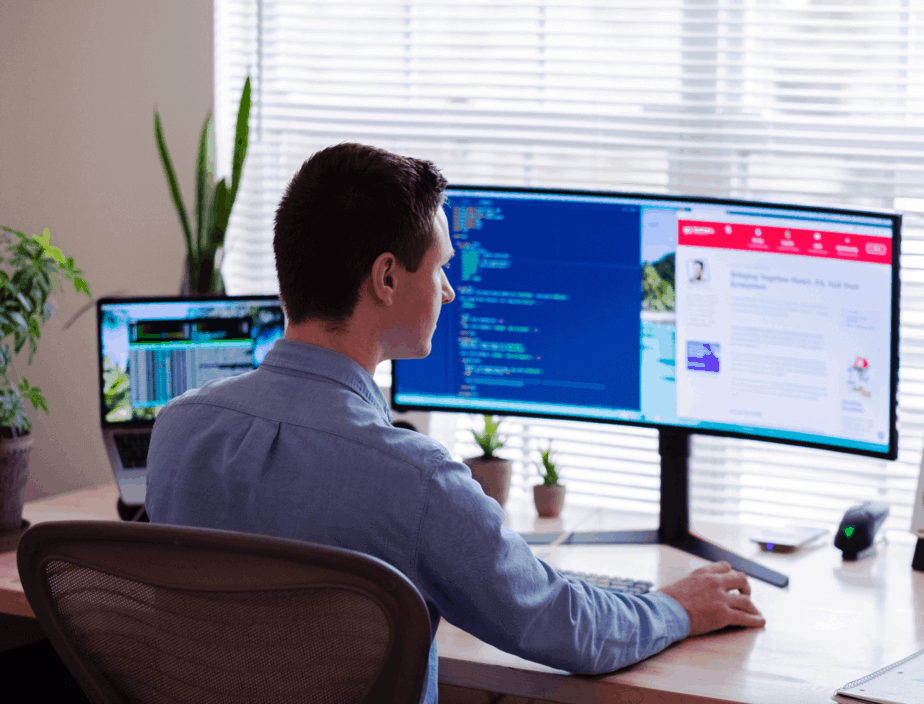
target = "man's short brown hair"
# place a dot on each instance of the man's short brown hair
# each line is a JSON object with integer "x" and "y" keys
{"x": 347, "y": 205}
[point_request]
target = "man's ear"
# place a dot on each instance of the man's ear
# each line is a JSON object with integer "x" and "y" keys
{"x": 383, "y": 278}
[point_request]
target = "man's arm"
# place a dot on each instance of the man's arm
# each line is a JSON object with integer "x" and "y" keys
{"x": 483, "y": 578}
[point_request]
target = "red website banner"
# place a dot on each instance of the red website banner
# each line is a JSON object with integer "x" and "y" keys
{"x": 785, "y": 240}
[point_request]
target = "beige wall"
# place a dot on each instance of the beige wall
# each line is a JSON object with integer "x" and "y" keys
{"x": 78, "y": 85}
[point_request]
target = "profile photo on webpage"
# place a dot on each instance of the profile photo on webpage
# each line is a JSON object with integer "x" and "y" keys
{"x": 696, "y": 268}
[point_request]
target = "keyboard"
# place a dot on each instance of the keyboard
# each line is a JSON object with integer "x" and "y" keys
{"x": 133, "y": 449}
{"x": 613, "y": 584}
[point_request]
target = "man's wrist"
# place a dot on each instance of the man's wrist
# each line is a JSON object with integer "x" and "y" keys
{"x": 679, "y": 621}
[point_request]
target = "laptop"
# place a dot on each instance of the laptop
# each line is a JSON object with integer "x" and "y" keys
{"x": 154, "y": 349}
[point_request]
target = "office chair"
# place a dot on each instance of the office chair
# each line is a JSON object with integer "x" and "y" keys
{"x": 141, "y": 612}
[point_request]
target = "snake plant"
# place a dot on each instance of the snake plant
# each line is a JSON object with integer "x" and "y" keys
{"x": 213, "y": 200}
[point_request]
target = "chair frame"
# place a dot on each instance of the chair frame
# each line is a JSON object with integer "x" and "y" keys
{"x": 208, "y": 559}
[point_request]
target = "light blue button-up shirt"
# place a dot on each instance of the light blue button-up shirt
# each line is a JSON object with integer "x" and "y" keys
{"x": 303, "y": 447}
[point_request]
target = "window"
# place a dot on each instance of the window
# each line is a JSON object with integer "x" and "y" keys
{"x": 781, "y": 100}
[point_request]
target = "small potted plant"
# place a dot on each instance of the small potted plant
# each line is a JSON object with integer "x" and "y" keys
{"x": 490, "y": 471}
{"x": 28, "y": 275}
{"x": 549, "y": 496}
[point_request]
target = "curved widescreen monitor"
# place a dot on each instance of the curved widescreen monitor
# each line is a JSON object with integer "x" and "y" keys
{"x": 757, "y": 320}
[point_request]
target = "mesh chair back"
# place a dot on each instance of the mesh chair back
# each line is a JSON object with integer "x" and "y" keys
{"x": 150, "y": 613}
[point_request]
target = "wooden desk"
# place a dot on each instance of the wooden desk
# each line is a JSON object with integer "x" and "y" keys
{"x": 86, "y": 504}
{"x": 835, "y": 621}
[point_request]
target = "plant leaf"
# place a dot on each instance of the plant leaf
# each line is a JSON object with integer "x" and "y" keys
{"x": 210, "y": 229}
{"x": 172, "y": 182}
{"x": 241, "y": 138}
{"x": 11, "y": 231}
{"x": 26, "y": 303}
{"x": 18, "y": 319}
{"x": 35, "y": 294}
{"x": 222, "y": 211}
{"x": 205, "y": 170}
{"x": 47, "y": 249}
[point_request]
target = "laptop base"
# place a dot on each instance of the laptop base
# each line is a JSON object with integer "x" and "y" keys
{"x": 134, "y": 513}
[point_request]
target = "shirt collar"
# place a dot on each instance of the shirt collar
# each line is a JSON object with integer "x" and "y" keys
{"x": 328, "y": 363}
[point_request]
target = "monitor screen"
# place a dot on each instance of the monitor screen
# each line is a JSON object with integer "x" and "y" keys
{"x": 767, "y": 321}
{"x": 152, "y": 350}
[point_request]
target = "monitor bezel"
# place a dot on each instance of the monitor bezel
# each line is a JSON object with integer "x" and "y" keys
{"x": 894, "y": 216}
{"x": 100, "y": 302}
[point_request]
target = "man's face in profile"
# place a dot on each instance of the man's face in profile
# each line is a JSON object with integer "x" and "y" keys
{"x": 420, "y": 297}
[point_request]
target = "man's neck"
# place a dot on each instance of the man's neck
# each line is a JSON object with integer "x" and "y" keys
{"x": 347, "y": 342}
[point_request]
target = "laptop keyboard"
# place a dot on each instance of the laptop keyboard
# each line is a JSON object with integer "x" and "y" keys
{"x": 614, "y": 584}
{"x": 133, "y": 449}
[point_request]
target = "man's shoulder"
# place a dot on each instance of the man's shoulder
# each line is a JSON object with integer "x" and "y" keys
{"x": 261, "y": 392}
{"x": 328, "y": 409}
{"x": 399, "y": 444}
{"x": 449, "y": 475}
{"x": 213, "y": 391}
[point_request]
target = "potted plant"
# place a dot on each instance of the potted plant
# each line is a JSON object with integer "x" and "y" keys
{"x": 28, "y": 275}
{"x": 549, "y": 496}
{"x": 491, "y": 472}
{"x": 202, "y": 274}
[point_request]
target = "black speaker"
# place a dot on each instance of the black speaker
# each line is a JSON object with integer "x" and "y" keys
{"x": 917, "y": 521}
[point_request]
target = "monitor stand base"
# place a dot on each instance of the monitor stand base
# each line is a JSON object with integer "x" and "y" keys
{"x": 690, "y": 543}
{"x": 674, "y": 446}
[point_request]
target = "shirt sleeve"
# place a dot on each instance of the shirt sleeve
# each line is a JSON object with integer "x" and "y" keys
{"x": 484, "y": 579}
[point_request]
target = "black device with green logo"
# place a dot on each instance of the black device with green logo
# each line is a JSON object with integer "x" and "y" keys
{"x": 857, "y": 531}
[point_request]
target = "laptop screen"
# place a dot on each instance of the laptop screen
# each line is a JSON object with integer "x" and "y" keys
{"x": 154, "y": 349}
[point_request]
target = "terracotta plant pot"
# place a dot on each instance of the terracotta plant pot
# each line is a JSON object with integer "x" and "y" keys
{"x": 14, "y": 474}
{"x": 549, "y": 500}
{"x": 493, "y": 475}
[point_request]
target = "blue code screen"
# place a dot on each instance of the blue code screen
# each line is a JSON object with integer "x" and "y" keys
{"x": 546, "y": 315}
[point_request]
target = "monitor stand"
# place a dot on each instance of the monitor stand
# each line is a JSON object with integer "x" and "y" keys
{"x": 674, "y": 446}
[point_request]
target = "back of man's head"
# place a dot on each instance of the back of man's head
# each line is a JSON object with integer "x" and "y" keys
{"x": 347, "y": 205}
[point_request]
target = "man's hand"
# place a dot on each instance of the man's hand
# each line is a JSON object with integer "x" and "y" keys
{"x": 708, "y": 597}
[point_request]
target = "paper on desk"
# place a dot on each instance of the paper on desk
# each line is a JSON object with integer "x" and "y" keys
{"x": 899, "y": 683}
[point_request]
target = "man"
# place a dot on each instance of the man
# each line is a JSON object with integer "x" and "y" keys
{"x": 303, "y": 447}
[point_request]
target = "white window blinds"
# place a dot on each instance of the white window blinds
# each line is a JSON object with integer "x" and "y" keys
{"x": 788, "y": 100}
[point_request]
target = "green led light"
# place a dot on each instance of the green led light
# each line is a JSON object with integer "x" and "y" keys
{"x": 848, "y": 531}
